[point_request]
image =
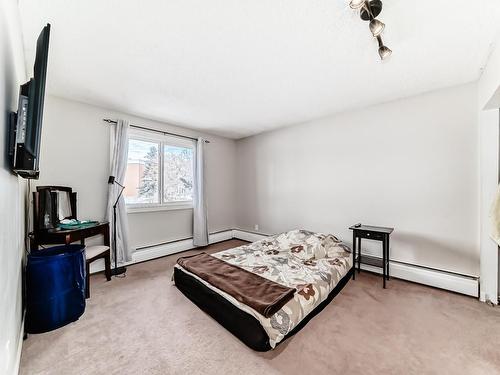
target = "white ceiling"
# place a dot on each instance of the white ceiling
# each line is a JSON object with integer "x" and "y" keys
{"x": 237, "y": 68}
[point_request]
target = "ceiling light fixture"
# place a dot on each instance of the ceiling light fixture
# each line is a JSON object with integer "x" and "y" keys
{"x": 356, "y": 4}
{"x": 369, "y": 11}
{"x": 376, "y": 27}
{"x": 383, "y": 51}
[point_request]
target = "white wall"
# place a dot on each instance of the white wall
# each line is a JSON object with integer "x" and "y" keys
{"x": 412, "y": 164}
{"x": 489, "y": 122}
{"x": 75, "y": 152}
{"x": 12, "y": 73}
{"x": 489, "y": 83}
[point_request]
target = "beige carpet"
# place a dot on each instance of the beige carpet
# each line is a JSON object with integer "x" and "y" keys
{"x": 143, "y": 325}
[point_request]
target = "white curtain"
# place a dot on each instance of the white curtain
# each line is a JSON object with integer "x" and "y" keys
{"x": 200, "y": 224}
{"x": 119, "y": 149}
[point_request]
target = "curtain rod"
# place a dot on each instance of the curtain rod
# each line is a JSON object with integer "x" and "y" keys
{"x": 109, "y": 121}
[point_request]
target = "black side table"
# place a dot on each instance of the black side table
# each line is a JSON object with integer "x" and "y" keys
{"x": 371, "y": 233}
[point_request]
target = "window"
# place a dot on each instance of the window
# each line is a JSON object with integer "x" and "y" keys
{"x": 159, "y": 172}
{"x": 177, "y": 173}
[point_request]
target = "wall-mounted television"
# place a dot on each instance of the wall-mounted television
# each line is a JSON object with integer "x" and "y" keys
{"x": 26, "y": 123}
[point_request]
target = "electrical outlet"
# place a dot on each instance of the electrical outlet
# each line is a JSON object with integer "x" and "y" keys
{"x": 256, "y": 227}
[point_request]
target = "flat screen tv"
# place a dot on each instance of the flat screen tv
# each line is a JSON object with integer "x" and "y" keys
{"x": 26, "y": 123}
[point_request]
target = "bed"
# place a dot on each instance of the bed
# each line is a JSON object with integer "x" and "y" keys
{"x": 314, "y": 266}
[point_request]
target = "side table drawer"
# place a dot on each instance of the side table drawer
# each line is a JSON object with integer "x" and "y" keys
{"x": 370, "y": 235}
{"x": 93, "y": 232}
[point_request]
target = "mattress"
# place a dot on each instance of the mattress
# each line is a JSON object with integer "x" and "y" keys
{"x": 316, "y": 265}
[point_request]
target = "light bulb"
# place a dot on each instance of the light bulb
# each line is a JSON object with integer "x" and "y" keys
{"x": 376, "y": 27}
{"x": 356, "y": 4}
{"x": 384, "y": 52}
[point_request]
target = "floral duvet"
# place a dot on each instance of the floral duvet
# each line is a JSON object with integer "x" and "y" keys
{"x": 312, "y": 263}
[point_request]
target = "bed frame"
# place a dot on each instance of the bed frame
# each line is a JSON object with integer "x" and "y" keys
{"x": 241, "y": 324}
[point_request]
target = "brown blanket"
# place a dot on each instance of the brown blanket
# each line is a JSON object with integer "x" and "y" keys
{"x": 263, "y": 295}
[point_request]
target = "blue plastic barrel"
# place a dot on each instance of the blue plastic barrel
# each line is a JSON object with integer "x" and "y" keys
{"x": 55, "y": 287}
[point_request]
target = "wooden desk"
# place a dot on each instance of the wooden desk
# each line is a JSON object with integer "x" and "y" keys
{"x": 371, "y": 233}
{"x": 67, "y": 236}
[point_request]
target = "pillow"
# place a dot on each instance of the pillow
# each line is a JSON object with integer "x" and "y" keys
{"x": 308, "y": 245}
{"x": 326, "y": 246}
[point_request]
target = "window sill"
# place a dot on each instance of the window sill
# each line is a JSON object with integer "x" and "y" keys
{"x": 164, "y": 207}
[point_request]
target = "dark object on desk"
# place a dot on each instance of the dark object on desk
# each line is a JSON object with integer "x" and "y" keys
{"x": 117, "y": 270}
{"x": 76, "y": 224}
{"x": 53, "y": 204}
{"x": 47, "y": 230}
{"x": 55, "y": 286}
{"x": 371, "y": 233}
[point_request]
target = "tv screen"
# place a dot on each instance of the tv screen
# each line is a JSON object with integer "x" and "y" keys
{"x": 26, "y": 124}
{"x": 38, "y": 92}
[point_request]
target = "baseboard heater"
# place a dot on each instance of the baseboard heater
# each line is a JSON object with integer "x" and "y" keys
{"x": 149, "y": 252}
{"x": 463, "y": 284}
{"x": 455, "y": 282}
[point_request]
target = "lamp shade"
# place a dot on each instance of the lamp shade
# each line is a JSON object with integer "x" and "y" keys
{"x": 356, "y": 4}
{"x": 384, "y": 52}
{"x": 376, "y": 27}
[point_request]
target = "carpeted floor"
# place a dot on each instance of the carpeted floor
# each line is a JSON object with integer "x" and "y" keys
{"x": 143, "y": 325}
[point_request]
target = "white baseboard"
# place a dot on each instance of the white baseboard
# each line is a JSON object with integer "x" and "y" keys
{"x": 438, "y": 279}
{"x": 176, "y": 247}
{"x": 17, "y": 364}
{"x": 248, "y": 236}
{"x": 435, "y": 278}
{"x": 162, "y": 250}
{"x": 220, "y": 236}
